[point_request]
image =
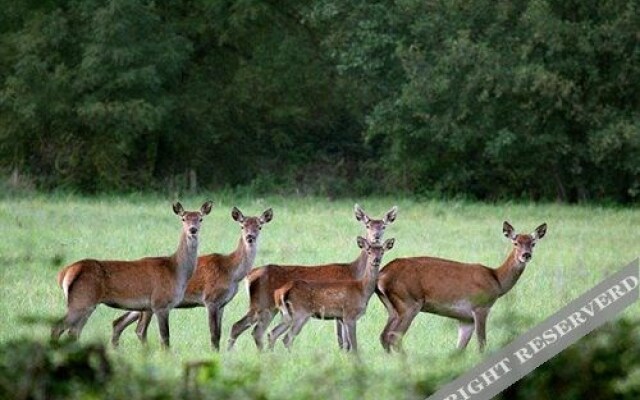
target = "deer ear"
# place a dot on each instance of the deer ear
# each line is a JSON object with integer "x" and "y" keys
{"x": 362, "y": 242}
{"x": 266, "y": 216}
{"x": 237, "y": 215}
{"x": 206, "y": 207}
{"x": 388, "y": 244}
{"x": 540, "y": 232}
{"x": 508, "y": 230}
{"x": 360, "y": 214}
{"x": 178, "y": 209}
{"x": 391, "y": 215}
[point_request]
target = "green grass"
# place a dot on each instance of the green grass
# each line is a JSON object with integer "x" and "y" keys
{"x": 42, "y": 234}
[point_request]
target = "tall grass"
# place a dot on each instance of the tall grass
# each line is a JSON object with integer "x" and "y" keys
{"x": 41, "y": 234}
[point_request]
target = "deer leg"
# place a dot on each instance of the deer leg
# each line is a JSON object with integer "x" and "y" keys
{"x": 163, "y": 326}
{"x": 346, "y": 342}
{"x": 385, "y": 338}
{"x": 465, "y": 330}
{"x": 76, "y": 329}
{"x": 404, "y": 322}
{"x": 121, "y": 323}
{"x": 218, "y": 332}
{"x": 73, "y": 322}
{"x": 339, "y": 335}
{"x": 296, "y": 327}
{"x": 346, "y": 345}
{"x": 58, "y": 328}
{"x": 353, "y": 340}
{"x": 215, "y": 321}
{"x": 240, "y": 326}
{"x": 480, "y": 320}
{"x": 280, "y": 329}
{"x": 143, "y": 326}
{"x": 264, "y": 319}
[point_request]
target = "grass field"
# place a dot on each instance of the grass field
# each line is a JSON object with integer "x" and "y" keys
{"x": 42, "y": 234}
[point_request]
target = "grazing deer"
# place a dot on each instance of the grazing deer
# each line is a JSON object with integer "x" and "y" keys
{"x": 214, "y": 282}
{"x": 264, "y": 281}
{"x": 152, "y": 283}
{"x": 346, "y": 301}
{"x": 466, "y": 292}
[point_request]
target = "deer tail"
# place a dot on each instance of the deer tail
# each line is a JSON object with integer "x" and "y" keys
{"x": 281, "y": 297}
{"x": 67, "y": 276}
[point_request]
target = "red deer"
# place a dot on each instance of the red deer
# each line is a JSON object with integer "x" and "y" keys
{"x": 346, "y": 301}
{"x": 264, "y": 281}
{"x": 214, "y": 282}
{"x": 152, "y": 283}
{"x": 466, "y": 292}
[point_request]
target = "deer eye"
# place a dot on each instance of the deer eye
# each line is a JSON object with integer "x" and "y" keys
{"x": 184, "y": 219}
{"x": 200, "y": 220}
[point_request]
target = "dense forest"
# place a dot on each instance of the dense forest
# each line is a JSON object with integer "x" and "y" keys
{"x": 483, "y": 99}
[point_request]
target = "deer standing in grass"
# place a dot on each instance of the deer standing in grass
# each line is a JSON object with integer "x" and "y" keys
{"x": 346, "y": 300}
{"x": 214, "y": 282}
{"x": 152, "y": 283}
{"x": 264, "y": 281}
{"x": 466, "y": 292}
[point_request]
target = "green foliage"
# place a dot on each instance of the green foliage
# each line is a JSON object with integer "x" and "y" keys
{"x": 525, "y": 98}
{"x": 33, "y": 370}
{"x": 89, "y": 87}
{"x": 603, "y": 365}
{"x": 483, "y": 99}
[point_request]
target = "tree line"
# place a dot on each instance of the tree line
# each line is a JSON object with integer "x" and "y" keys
{"x": 485, "y": 99}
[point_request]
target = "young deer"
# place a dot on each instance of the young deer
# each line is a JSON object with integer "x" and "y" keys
{"x": 346, "y": 301}
{"x": 264, "y": 281}
{"x": 466, "y": 292}
{"x": 152, "y": 283}
{"x": 214, "y": 282}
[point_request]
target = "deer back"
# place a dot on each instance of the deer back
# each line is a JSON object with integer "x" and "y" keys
{"x": 326, "y": 299}
{"x": 438, "y": 280}
{"x": 120, "y": 284}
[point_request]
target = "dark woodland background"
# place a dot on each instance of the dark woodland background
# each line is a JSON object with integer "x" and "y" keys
{"x": 484, "y": 99}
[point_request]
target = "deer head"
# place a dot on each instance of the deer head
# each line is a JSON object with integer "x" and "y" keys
{"x": 524, "y": 243}
{"x": 191, "y": 220}
{"x": 375, "y": 227}
{"x": 375, "y": 250}
{"x": 251, "y": 226}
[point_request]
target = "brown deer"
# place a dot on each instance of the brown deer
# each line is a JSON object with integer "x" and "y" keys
{"x": 152, "y": 283}
{"x": 214, "y": 282}
{"x": 346, "y": 300}
{"x": 466, "y": 292}
{"x": 264, "y": 281}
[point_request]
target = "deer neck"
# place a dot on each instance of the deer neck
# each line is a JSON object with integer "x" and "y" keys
{"x": 185, "y": 258}
{"x": 509, "y": 272}
{"x": 359, "y": 266}
{"x": 369, "y": 280}
{"x": 241, "y": 259}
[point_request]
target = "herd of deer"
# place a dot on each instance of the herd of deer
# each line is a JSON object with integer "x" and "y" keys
{"x": 340, "y": 291}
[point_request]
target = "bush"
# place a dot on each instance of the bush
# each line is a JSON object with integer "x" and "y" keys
{"x": 603, "y": 365}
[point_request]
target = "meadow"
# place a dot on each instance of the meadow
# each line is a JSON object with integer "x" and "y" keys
{"x": 41, "y": 234}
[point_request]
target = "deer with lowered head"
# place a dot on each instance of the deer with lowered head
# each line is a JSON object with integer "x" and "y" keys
{"x": 465, "y": 292}
{"x": 152, "y": 283}
{"x": 214, "y": 282}
{"x": 345, "y": 300}
{"x": 264, "y": 281}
